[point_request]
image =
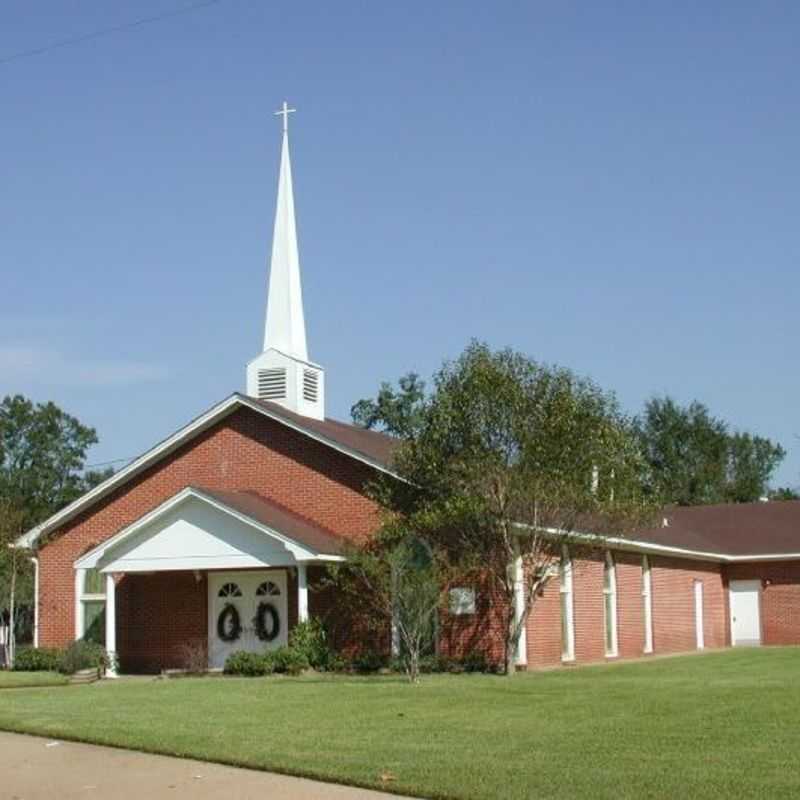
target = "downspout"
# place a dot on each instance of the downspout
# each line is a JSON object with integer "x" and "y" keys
{"x": 35, "y": 561}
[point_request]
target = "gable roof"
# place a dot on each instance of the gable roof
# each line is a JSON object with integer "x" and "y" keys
{"x": 735, "y": 531}
{"x": 312, "y": 540}
{"x": 277, "y": 517}
{"x": 369, "y": 447}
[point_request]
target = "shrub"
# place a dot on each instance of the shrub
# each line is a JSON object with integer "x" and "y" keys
{"x": 194, "y": 657}
{"x": 248, "y": 664}
{"x": 370, "y": 661}
{"x": 84, "y": 655}
{"x": 475, "y": 662}
{"x": 38, "y": 659}
{"x": 289, "y": 660}
{"x": 310, "y": 639}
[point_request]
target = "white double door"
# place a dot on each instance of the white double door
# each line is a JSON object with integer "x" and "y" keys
{"x": 245, "y": 591}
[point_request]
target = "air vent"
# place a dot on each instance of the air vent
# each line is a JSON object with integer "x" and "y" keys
{"x": 272, "y": 384}
{"x": 310, "y": 385}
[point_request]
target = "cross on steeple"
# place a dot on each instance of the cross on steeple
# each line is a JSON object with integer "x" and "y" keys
{"x": 284, "y": 112}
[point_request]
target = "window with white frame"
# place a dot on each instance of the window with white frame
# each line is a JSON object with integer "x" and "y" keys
{"x": 93, "y": 606}
{"x": 647, "y": 604}
{"x": 610, "y": 604}
{"x": 567, "y": 618}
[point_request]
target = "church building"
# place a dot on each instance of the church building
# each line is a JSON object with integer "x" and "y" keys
{"x": 248, "y": 503}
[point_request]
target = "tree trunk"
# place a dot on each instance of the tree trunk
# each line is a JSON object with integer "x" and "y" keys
{"x": 512, "y": 637}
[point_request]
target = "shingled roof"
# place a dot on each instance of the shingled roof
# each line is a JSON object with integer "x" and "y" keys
{"x": 736, "y": 530}
{"x": 376, "y": 446}
{"x": 274, "y": 515}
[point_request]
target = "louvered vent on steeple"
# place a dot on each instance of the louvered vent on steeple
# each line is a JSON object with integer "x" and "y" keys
{"x": 310, "y": 385}
{"x": 272, "y": 384}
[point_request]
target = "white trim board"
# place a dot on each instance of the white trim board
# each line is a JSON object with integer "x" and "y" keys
{"x": 172, "y": 443}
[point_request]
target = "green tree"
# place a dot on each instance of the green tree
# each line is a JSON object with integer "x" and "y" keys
{"x": 506, "y": 461}
{"x": 395, "y": 578}
{"x": 42, "y": 458}
{"x": 694, "y": 459}
{"x": 15, "y": 574}
{"x": 395, "y": 411}
{"x": 784, "y": 493}
{"x": 751, "y": 462}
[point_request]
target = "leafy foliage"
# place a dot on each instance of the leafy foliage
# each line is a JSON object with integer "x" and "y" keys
{"x": 249, "y": 665}
{"x": 310, "y": 639}
{"x": 498, "y": 469}
{"x": 395, "y": 411}
{"x": 84, "y": 655}
{"x": 784, "y": 493}
{"x": 38, "y": 659}
{"x": 396, "y": 577}
{"x": 42, "y": 457}
{"x": 286, "y": 660}
{"x": 694, "y": 459}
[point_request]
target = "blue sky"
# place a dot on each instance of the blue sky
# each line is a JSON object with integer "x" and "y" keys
{"x": 611, "y": 187}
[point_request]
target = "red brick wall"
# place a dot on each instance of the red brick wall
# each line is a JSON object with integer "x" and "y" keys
{"x": 158, "y": 616}
{"x": 672, "y": 603}
{"x": 780, "y": 598}
{"x": 246, "y": 451}
{"x": 481, "y": 632}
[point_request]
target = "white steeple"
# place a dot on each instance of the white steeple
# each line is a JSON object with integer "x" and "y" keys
{"x": 283, "y": 373}
{"x": 286, "y": 327}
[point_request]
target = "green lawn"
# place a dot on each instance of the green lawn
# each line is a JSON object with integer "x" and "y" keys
{"x": 18, "y": 680}
{"x": 715, "y": 725}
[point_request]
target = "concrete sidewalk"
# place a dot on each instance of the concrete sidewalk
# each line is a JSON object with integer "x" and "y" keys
{"x": 47, "y": 769}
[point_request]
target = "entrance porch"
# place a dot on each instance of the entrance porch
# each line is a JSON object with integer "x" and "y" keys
{"x": 201, "y": 576}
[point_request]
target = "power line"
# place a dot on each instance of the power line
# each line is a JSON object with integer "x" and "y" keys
{"x": 108, "y": 463}
{"x": 126, "y": 26}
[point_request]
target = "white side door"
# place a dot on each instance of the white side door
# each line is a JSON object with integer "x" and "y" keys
{"x": 745, "y": 612}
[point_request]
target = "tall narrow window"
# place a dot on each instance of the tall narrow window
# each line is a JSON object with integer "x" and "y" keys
{"x": 567, "y": 620}
{"x": 610, "y": 604}
{"x": 647, "y": 604}
{"x": 93, "y": 606}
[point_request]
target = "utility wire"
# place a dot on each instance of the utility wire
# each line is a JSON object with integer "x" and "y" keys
{"x": 126, "y": 26}
{"x": 108, "y": 463}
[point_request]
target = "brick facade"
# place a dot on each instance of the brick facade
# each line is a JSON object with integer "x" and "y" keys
{"x": 158, "y": 615}
{"x": 245, "y": 451}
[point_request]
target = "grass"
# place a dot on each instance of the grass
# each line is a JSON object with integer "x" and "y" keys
{"x": 716, "y": 725}
{"x": 20, "y": 680}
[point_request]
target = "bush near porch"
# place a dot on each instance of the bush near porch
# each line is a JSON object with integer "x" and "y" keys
{"x": 716, "y": 725}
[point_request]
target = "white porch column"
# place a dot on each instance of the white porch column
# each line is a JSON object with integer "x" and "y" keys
{"x": 302, "y": 593}
{"x": 35, "y": 562}
{"x": 521, "y": 656}
{"x": 79, "y": 626}
{"x": 111, "y": 623}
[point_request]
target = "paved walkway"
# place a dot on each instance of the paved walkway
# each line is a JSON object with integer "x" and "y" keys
{"x": 43, "y": 769}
